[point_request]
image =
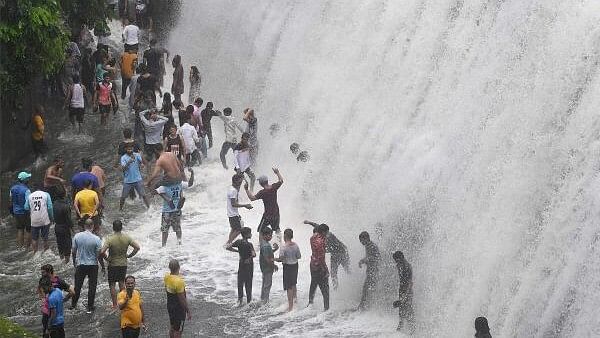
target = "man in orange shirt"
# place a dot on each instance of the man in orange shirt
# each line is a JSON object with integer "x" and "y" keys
{"x": 132, "y": 312}
{"x": 128, "y": 65}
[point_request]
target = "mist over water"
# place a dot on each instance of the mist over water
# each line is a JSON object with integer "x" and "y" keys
{"x": 467, "y": 129}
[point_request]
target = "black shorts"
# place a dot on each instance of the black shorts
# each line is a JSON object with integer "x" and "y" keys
{"x": 271, "y": 221}
{"x": 23, "y": 222}
{"x": 290, "y": 275}
{"x": 116, "y": 274}
{"x": 131, "y": 48}
{"x": 78, "y": 113}
{"x": 176, "y": 318}
{"x": 104, "y": 110}
{"x": 235, "y": 223}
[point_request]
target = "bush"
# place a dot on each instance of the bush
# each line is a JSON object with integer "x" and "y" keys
{"x": 9, "y": 329}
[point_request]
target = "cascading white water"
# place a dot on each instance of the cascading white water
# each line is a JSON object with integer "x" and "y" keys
{"x": 468, "y": 129}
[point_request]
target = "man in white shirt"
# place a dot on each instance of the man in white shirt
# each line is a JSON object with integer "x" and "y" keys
{"x": 231, "y": 128}
{"x": 190, "y": 138}
{"x": 242, "y": 159}
{"x": 235, "y": 220}
{"x": 39, "y": 205}
{"x": 131, "y": 36}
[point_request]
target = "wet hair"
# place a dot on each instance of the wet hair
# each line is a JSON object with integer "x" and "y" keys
{"x": 177, "y": 104}
{"x": 176, "y": 62}
{"x": 198, "y": 101}
{"x": 246, "y": 232}
{"x": 127, "y": 133}
{"x": 481, "y": 326}
{"x": 48, "y": 268}
{"x": 195, "y": 73}
{"x": 167, "y": 105}
{"x": 87, "y": 183}
{"x": 117, "y": 225}
{"x": 364, "y": 235}
{"x": 323, "y": 228}
{"x": 76, "y": 78}
{"x": 45, "y": 283}
{"x": 398, "y": 256}
{"x": 174, "y": 265}
{"x": 209, "y": 105}
{"x": 288, "y": 233}
{"x": 86, "y": 163}
{"x": 130, "y": 277}
{"x": 266, "y": 231}
{"x": 189, "y": 110}
{"x": 227, "y": 111}
{"x": 236, "y": 177}
{"x": 38, "y": 109}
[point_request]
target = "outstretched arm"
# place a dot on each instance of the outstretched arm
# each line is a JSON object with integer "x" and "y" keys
{"x": 311, "y": 223}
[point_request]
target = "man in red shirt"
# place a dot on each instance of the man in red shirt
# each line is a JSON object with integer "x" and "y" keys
{"x": 268, "y": 194}
{"x": 319, "y": 274}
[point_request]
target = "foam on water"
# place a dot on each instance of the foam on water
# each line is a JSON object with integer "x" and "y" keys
{"x": 464, "y": 133}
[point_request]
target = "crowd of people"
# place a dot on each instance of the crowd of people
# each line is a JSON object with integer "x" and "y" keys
{"x": 159, "y": 148}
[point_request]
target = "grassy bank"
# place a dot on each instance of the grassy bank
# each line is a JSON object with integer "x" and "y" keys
{"x": 9, "y": 329}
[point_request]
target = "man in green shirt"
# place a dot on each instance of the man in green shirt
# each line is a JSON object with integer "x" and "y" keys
{"x": 117, "y": 245}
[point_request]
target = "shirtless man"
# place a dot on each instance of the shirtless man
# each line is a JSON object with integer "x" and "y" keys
{"x": 169, "y": 166}
{"x": 54, "y": 174}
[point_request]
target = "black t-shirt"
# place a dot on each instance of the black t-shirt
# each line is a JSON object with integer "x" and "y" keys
{"x": 183, "y": 116}
{"x": 62, "y": 215}
{"x": 334, "y": 246}
{"x": 146, "y": 83}
{"x": 245, "y": 250}
{"x": 206, "y": 115}
{"x": 269, "y": 198}
{"x": 152, "y": 57}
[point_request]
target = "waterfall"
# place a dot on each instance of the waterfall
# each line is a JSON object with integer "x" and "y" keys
{"x": 464, "y": 133}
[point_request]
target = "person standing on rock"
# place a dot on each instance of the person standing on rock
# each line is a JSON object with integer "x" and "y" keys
{"x": 371, "y": 260}
{"x": 19, "y": 194}
{"x": 177, "y": 88}
{"x": 207, "y": 114}
{"x": 405, "y": 293}
{"x": 268, "y": 194}
{"x": 195, "y": 81}
{"x": 105, "y": 98}
{"x": 131, "y": 163}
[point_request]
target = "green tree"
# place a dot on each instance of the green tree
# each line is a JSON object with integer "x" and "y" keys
{"x": 33, "y": 39}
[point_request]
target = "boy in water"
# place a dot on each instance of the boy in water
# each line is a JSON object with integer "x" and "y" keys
{"x": 338, "y": 251}
{"x": 235, "y": 220}
{"x": 173, "y": 202}
{"x": 246, "y": 266}
{"x": 267, "y": 263}
{"x": 319, "y": 274}
{"x": 132, "y": 312}
{"x": 289, "y": 256}
{"x": 405, "y": 294}
{"x": 242, "y": 160}
{"x": 268, "y": 194}
{"x": 371, "y": 260}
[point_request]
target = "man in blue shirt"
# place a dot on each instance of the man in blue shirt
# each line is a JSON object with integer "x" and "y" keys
{"x": 86, "y": 256}
{"x": 173, "y": 202}
{"x": 55, "y": 305}
{"x": 132, "y": 176}
{"x": 19, "y": 193}
{"x": 79, "y": 179}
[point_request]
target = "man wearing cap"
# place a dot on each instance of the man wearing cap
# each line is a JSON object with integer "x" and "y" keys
{"x": 19, "y": 193}
{"x": 39, "y": 205}
{"x": 268, "y": 194}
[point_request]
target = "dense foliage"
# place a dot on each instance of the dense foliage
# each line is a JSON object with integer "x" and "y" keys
{"x": 33, "y": 39}
{"x": 34, "y": 35}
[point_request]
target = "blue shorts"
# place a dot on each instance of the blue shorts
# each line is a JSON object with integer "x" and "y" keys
{"x": 37, "y": 231}
{"x": 138, "y": 186}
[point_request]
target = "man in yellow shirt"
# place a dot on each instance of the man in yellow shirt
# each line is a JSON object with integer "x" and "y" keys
{"x": 86, "y": 205}
{"x": 132, "y": 312}
{"x": 37, "y": 134}
{"x": 176, "y": 300}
